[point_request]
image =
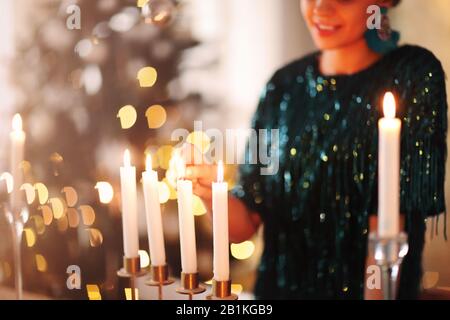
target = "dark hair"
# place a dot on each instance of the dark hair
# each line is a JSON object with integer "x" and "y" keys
{"x": 395, "y": 2}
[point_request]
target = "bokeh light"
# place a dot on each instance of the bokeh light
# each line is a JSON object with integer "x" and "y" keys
{"x": 125, "y": 20}
{"x": 93, "y": 292}
{"x": 141, "y": 3}
{"x": 63, "y": 224}
{"x": 199, "y": 208}
{"x": 73, "y": 217}
{"x": 30, "y": 192}
{"x": 9, "y": 180}
{"x": 92, "y": 79}
{"x": 30, "y": 237}
{"x": 47, "y": 214}
{"x": 87, "y": 215}
{"x": 156, "y": 116}
{"x": 199, "y": 139}
{"x": 39, "y": 224}
{"x": 236, "y": 288}
{"x": 105, "y": 191}
{"x": 42, "y": 192}
{"x": 243, "y": 250}
{"x": 163, "y": 192}
{"x": 147, "y": 77}
{"x": 128, "y": 293}
{"x": 95, "y": 237}
{"x": 71, "y": 196}
{"x": 164, "y": 155}
{"x": 25, "y": 166}
{"x": 430, "y": 279}
{"x": 145, "y": 259}
{"x": 57, "y": 206}
{"x": 41, "y": 263}
{"x": 128, "y": 116}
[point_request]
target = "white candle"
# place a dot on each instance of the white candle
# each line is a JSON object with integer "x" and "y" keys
{"x": 389, "y": 170}
{"x": 153, "y": 213}
{"x": 220, "y": 227}
{"x": 17, "y": 138}
{"x": 186, "y": 222}
{"x": 129, "y": 207}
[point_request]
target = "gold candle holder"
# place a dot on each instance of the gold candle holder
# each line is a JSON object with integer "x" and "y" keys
{"x": 159, "y": 278}
{"x": 131, "y": 269}
{"x": 190, "y": 285}
{"x": 221, "y": 290}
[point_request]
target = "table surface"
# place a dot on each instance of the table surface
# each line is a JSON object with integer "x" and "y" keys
{"x": 145, "y": 293}
{"x": 151, "y": 293}
{"x": 7, "y": 293}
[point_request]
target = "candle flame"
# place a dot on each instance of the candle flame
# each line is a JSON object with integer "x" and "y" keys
{"x": 148, "y": 162}
{"x": 17, "y": 122}
{"x": 220, "y": 171}
{"x": 389, "y": 105}
{"x": 127, "y": 158}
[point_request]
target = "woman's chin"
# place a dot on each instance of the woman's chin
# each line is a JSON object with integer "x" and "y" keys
{"x": 326, "y": 45}
{"x": 332, "y": 44}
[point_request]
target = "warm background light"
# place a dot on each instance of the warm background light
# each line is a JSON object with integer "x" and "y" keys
{"x": 105, "y": 191}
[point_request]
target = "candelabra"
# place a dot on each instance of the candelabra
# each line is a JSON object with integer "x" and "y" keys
{"x": 16, "y": 223}
{"x": 132, "y": 269}
{"x": 190, "y": 285}
{"x": 221, "y": 290}
{"x": 389, "y": 253}
{"x": 159, "y": 278}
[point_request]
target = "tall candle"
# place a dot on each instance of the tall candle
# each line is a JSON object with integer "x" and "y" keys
{"x": 389, "y": 170}
{"x": 153, "y": 213}
{"x": 186, "y": 222}
{"x": 129, "y": 207}
{"x": 17, "y": 137}
{"x": 220, "y": 227}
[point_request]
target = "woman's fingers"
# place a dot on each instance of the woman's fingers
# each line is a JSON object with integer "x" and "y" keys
{"x": 202, "y": 191}
{"x": 202, "y": 172}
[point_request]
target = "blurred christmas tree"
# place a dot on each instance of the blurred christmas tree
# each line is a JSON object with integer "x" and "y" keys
{"x": 73, "y": 84}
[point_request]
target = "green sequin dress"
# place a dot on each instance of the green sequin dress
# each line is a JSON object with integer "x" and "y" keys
{"x": 315, "y": 210}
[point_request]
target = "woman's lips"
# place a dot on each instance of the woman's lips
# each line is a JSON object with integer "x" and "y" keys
{"x": 325, "y": 30}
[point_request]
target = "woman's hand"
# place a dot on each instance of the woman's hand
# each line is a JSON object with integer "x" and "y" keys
{"x": 242, "y": 223}
{"x": 201, "y": 173}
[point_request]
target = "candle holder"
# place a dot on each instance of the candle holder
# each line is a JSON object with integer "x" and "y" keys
{"x": 132, "y": 269}
{"x": 16, "y": 223}
{"x": 221, "y": 290}
{"x": 159, "y": 278}
{"x": 389, "y": 253}
{"x": 190, "y": 285}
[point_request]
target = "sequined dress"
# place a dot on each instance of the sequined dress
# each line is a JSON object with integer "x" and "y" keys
{"x": 316, "y": 208}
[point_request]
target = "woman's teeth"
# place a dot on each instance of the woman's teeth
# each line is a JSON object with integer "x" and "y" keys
{"x": 326, "y": 27}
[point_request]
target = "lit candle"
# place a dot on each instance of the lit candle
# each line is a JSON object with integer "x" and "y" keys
{"x": 389, "y": 129}
{"x": 220, "y": 227}
{"x": 153, "y": 213}
{"x": 129, "y": 207}
{"x": 17, "y": 138}
{"x": 186, "y": 221}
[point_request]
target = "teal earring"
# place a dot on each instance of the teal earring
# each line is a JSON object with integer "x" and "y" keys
{"x": 385, "y": 39}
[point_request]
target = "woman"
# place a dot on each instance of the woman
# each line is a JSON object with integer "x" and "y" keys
{"x": 319, "y": 208}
